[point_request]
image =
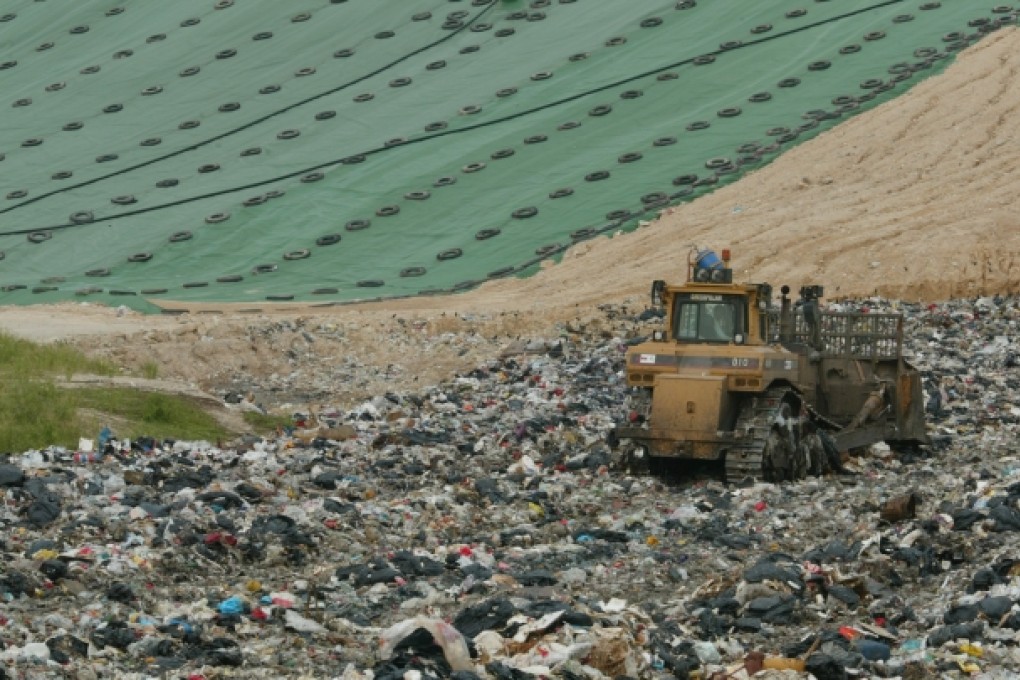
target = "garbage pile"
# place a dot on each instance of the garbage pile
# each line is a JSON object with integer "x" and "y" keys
{"x": 479, "y": 529}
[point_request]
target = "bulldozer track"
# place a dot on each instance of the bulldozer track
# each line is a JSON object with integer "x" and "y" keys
{"x": 747, "y": 459}
{"x": 821, "y": 420}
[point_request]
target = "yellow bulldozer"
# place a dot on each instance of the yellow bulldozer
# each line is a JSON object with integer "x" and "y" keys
{"x": 772, "y": 392}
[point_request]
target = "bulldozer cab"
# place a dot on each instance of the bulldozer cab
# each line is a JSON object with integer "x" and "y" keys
{"x": 709, "y": 308}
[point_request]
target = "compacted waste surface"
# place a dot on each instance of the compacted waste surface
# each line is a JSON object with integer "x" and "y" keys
{"x": 480, "y": 528}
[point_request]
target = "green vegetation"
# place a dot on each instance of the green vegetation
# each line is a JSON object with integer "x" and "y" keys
{"x": 150, "y": 370}
{"x": 147, "y": 413}
{"x": 35, "y": 413}
{"x": 24, "y": 359}
{"x": 266, "y": 422}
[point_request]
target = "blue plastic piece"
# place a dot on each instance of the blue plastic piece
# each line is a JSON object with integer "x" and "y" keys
{"x": 231, "y": 605}
{"x": 873, "y": 651}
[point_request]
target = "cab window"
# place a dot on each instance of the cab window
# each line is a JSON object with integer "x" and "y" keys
{"x": 708, "y": 318}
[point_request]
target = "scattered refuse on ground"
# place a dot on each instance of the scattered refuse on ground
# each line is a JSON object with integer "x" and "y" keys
{"x": 479, "y": 528}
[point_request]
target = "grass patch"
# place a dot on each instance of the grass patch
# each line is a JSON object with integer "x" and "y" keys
{"x": 34, "y": 413}
{"x": 262, "y": 423}
{"x": 25, "y": 359}
{"x": 150, "y": 370}
{"x": 149, "y": 413}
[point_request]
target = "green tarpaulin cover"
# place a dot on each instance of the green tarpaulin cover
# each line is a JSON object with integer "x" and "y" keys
{"x": 332, "y": 151}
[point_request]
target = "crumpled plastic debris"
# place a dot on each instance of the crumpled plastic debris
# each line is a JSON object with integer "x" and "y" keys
{"x": 454, "y": 647}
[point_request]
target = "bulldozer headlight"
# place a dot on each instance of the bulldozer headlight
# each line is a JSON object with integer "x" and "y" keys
{"x": 658, "y": 336}
{"x": 739, "y": 338}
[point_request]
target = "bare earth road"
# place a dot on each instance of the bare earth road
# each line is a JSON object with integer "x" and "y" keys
{"x": 916, "y": 199}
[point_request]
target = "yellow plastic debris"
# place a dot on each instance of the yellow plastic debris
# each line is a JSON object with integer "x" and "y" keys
{"x": 780, "y": 663}
{"x": 972, "y": 650}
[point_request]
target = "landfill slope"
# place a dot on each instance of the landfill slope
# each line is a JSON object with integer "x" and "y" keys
{"x": 912, "y": 200}
{"x": 328, "y": 152}
{"x": 921, "y": 186}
